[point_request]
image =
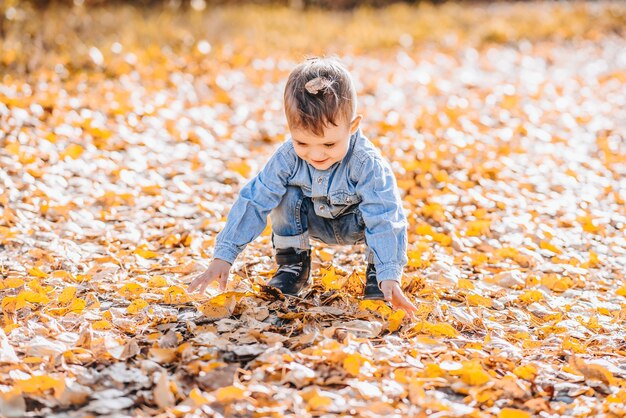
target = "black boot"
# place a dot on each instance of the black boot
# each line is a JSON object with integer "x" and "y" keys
{"x": 372, "y": 291}
{"x": 294, "y": 269}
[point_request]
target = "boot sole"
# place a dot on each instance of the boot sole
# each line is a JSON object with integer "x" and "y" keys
{"x": 307, "y": 285}
{"x": 373, "y": 297}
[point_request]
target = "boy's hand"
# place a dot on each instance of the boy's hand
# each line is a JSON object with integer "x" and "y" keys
{"x": 394, "y": 294}
{"x": 217, "y": 270}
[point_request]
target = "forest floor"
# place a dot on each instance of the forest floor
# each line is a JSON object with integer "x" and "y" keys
{"x": 125, "y": 135}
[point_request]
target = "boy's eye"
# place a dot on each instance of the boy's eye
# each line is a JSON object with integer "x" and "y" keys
{"x": 329, "y": 145}
{"x": 300, "y": 144}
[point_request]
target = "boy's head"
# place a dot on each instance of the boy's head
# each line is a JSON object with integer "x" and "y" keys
{"x": 320, "y": 105}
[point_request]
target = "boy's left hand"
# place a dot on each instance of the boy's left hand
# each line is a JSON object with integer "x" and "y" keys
{"x": 394, "y": 294}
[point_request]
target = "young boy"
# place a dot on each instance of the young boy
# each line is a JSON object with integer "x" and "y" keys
{"x": 326, "y": 182}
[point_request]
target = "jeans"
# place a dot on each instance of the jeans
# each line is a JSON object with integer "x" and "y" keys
{"x": 294, "y": 222}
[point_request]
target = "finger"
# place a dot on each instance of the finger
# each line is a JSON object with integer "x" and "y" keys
{"x": 222, "y": 281}
{"x": 409, "y": 312}
{"x": 388, "y": 294}
{"x": 408, "y": 306}
{"x": 400, "y": 301}
{"x": 205, "y": 284}
{"x": 194, "y": 284}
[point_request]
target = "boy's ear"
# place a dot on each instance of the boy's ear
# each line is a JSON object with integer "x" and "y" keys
{"x": 354, "y": 125}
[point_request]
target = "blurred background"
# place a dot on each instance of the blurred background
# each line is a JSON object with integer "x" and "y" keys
{"x": 38, "y": 33}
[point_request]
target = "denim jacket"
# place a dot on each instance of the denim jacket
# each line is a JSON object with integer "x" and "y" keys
{"x": 361, "y": 178}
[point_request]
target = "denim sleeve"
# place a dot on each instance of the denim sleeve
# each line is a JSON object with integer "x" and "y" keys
{"x": 385, "y": 222}
{"x": 248, "y": 216}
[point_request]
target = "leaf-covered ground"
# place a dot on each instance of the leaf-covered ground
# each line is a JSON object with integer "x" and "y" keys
{"x": 126, "y": 134}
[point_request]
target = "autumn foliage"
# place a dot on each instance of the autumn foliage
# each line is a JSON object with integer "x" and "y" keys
{"x": 122, "y": 147}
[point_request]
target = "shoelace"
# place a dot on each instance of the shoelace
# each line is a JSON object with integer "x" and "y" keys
{"x": 291, "y": 268}
{"x": 371, "y": 277}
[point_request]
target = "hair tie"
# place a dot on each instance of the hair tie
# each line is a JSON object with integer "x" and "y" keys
{"x": 318, "y": 83}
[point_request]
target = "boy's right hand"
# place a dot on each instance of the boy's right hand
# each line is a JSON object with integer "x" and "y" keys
{"x": 217, "y": 270}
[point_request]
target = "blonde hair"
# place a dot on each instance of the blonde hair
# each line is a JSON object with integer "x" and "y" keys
{"x": 319, "y": 92}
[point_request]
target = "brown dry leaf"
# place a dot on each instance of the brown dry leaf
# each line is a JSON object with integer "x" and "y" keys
{"x": 162, "y": 394}
{"x": 591, "y": 371}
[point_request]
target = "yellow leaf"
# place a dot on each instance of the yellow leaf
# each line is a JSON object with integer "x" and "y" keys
{"x": 587, "y": 222}
{"x": 12, "y": 148}
{"x": 513, "y": 413}
{"x": 572, "y": 344}
{"x": 325, "y": 255}
{"x": 443, "y": 239}
{"x": 352, "y": 364}
{"x": 419, "y": 257}
{"x": 36, "y": 287}
{"x": 545, "y": 245}
{"x": 375, "y": 306}
{"x": 530, "y": 296}
{"x": 101, "y": 325}
{"x": 77, "y": 305}
{"x": 214, "y": 311}
{"x": 433, "y": 370}
{"x": 221, "y": 305}
{"x": 330, "y": 280}
{"x": 506, "y": 252}
{"x": 622, "y": 291}
{"x": 51, "y": 137}
{"x": 144, "y": 252}
{"x": 434, "y": 211}
{"x": 32, "y": 297}
{"x": 472, "y": 373}
{"x": 38, "y": 384}
{"x": 73, "y": 151}
{"x": 62, "y": 274}
{"x": 68, "y": 294}
{"x": 424, "y": 229}
{"x": 477, "y": 300}
{"x": 240, "y": 167}
{"x": 197, "y": 397}
{"x": 478, "y": 259}
{"x": 395, "y": 320}
{"x": 439, "y": 330}
{"x": 465, "y": 284}
{"x": 7, "y": 329}
{"x": 619, "y": 397}
{"x": 319, "y": 402}
{"x": 175, "y": 295}
{"x": 158, "y": 281}
{"x": 13, "y": 283}
{"x": 229, "y": 394}
{"x": 527, "y": 372}
{"x": 594, "y": 260}
{"x": 9, "y": 304}
{"x": 131, "y": 291}
{"x": 136, "y": 306}
{"x": 593, "y": 323}
{"x": 35, "y": 271}
{"x": 557, "y": 283}
{"x": 227, "y": 299}
{"x": 478, "y": 228}
{"x": 152, "y": 190}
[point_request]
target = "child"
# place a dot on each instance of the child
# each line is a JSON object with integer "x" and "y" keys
{"x": 326, "y": 182}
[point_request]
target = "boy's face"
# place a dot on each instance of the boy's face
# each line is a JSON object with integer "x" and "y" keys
{"x": 323, "y": 151}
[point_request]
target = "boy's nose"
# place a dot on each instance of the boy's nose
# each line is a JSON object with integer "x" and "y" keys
{"x": 317, "y": 156}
